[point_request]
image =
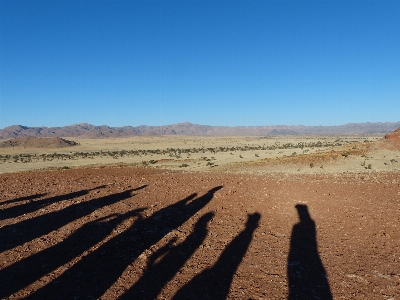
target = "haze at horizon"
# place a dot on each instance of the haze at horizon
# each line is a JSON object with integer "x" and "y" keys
{"x": 228, "y": 63}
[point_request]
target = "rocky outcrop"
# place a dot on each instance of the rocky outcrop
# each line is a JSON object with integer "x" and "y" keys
{"x": 35, "y": 142}
{"x": 393, "y": 135}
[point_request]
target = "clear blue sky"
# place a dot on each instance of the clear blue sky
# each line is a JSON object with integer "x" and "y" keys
{"x": 207, "y": 62}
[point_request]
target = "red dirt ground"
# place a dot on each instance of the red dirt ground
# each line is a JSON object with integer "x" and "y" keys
{"x": 146, "y": 234}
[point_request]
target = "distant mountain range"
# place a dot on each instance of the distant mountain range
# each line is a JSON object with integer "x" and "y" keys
{"x": 85, "y": 130}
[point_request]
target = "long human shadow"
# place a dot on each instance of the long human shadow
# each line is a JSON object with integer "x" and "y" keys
{"x": 24, "y": 198}
{"x": 158, "y": 274}
{"x": 306, "y": 273}
{"x": 214, "y": 282}
{"x": 32, "y": 206}
{"x": 27, "y": 230}
{"x": 92, "y": 276}
{"x": 19, "y": 275}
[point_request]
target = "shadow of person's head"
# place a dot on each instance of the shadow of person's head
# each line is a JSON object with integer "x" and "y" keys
{"x": 304, "y": 215}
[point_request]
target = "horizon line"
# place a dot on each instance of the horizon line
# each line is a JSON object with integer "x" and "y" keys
{"x": 189, "y": 123}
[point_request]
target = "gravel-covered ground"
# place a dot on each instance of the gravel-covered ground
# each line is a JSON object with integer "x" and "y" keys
{"x": 147, "y": 233}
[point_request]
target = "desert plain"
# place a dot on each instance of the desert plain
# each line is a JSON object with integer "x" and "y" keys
{"x": 288, "y": 154}
{"x": 183, "y": 217}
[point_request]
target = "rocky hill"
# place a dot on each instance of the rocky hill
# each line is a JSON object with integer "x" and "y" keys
{"x": 393, "y": 138}
{"x": 38, "y": 142}
{"x": 85, "y": 130}
{"x": 395, "y": 135}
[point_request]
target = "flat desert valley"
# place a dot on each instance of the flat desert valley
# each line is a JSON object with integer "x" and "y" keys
{"x": 299, "y": 155}
{"x": 184, "y": 217}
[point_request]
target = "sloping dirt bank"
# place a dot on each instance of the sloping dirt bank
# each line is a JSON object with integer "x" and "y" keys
{"x": 147, "y": 233}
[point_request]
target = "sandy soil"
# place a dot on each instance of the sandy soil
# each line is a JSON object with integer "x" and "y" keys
{"x": 144, "y": 233}
{"x": 239, "y": 154}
